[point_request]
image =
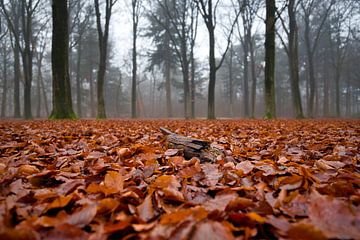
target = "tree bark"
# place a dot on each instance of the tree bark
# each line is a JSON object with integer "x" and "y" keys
{"x": 134, "y": 62}
{"x": 294, "y": 59}
{"x": 212, "y": 74}
{"x": 103, "y": 45}
{"x": 231, "y": 80}
{"x": 254, "y": 79}
{"x": 246, "y": 71}
{"x": 167, "y": 70}
{"x": 270, "y": 109}
{"x": 78, "y": 79}
{"x": 62, "y": 105}
{"x": 4, "y": 86}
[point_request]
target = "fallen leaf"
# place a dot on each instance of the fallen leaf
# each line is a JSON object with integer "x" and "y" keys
{"x": 146, "y": 210}
{"x": 212, "y": 230}
{"x": 334, "y": 217}
{"x": 82, "y": 217}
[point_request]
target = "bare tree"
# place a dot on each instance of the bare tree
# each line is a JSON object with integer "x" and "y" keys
{"x": 135, "y": 13}
{"x": 180, "y": 15}
{"x": 312, "y": 34}
{"x": 208, "y": 12}
{"x": 24, "y": 39}
{"x": 103, "y": 35}
{"x": 291, "y": 49}
{"x": 4, "y": 53}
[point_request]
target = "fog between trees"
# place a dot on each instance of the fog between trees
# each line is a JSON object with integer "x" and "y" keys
{"x": 187, "y": 59}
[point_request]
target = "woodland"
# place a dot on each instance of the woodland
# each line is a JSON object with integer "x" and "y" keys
{"x": 169, "y": 119}
{"x": 181, "y": 59}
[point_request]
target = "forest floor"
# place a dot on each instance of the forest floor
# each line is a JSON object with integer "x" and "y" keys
{"x": 117, "y": 179}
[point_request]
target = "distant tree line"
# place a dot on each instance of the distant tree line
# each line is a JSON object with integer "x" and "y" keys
{"x": 187, "y": 59}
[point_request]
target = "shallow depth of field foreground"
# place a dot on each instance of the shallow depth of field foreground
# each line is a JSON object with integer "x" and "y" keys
{"x": 122, "y": 180}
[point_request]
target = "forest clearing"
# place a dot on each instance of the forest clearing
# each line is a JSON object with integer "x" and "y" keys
{"x": 120, "y": 179}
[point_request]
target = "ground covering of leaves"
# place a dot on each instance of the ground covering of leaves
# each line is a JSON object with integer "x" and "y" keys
{"x": 118, "y": 180}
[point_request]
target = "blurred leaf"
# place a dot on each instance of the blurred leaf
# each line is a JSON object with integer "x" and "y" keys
{"x": 334, "y": 217}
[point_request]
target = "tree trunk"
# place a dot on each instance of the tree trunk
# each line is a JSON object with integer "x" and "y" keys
{"x": 27, "y": 68}
{"x": 78, "y": 79}
{"x": 167, "y": 70}
{"x": 185, "y": 72}
{"x": 44, "y": 97}
{"x": 270, "y": 109}
{"x": 134, "y": 68}
{"x": 101, "y": 114}
{"x": 17, "y": 70}
{"x": 103, "y": 45}
{"x": 311, "y": 72}
{"x": 212, "y": 75}
{"x": 231, "y": 88}
{"x": 92, "y": 93}
{"x": 62, "y": 105}
{"x": 38, "y": 88}
{"x": 246, "y": 72}
{"x": 4, "y": 95}
{"x": 254, "y": 79}
{"x": 293, "y": 60}
{"x": 192, "y": 83}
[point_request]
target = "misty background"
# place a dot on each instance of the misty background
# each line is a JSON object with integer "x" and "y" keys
{"x": 171, "y": 40}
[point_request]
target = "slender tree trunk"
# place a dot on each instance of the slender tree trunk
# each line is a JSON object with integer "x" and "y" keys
{"x": 231, "y": 87}
{"x": 270, "y": 109}
{"x": 311, "y": 72}
{"x": 348, "y": 94}
{"x": 17, "y": 70}
{"x": 212, "y": 76}
{"x": 44, "y": 96}
{"x": 167, "y": 70}
{"x": 103, "y": 45}
{"x": 100, "y": 85}
{"x": 326, "y": 89}
{"x": 246, "y": 73}
{"x": 92, "y": 94}
{"x": 134, "y": 67}
{"x": 27, "y": 68}
{"x": 254, "y": 79}
{"x": 337, "y": 92}
{"x": 293, "y": 60}
{"x": 38, "y": 89}
{"x": 62, "y": 104}
{"x": 78, "y": 79}
{"x": 185, "y": 72}
{"x": 5, "y": 72}
{"x": 192, "y": 83}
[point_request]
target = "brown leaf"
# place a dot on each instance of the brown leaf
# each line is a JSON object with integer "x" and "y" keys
{"x": 220, "y": 201}
{"x": 304, "y": 230}
{"x": 245, "y": 166}
{"x": 146, "y": 210}
{"x": 26, "y": 170}
{"x": 66, "y": 231}
{"x": 60, "y": 202}
{"x": 107, "y": 205}
{"x": 334, "y": 217}
{"x": 69, "y": 187}
{"x": 212, "y": 230}
{"x": 197, "y": 213}
{"x": 169, "y": 187}
{"x": 82, "y": 217}
{"x": 113, "y": 183}
{"x": 212, "y": 174}
{"x": 18, "y": 234}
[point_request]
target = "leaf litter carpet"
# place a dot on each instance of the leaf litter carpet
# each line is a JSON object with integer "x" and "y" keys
{"x": 118, "y": 179}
